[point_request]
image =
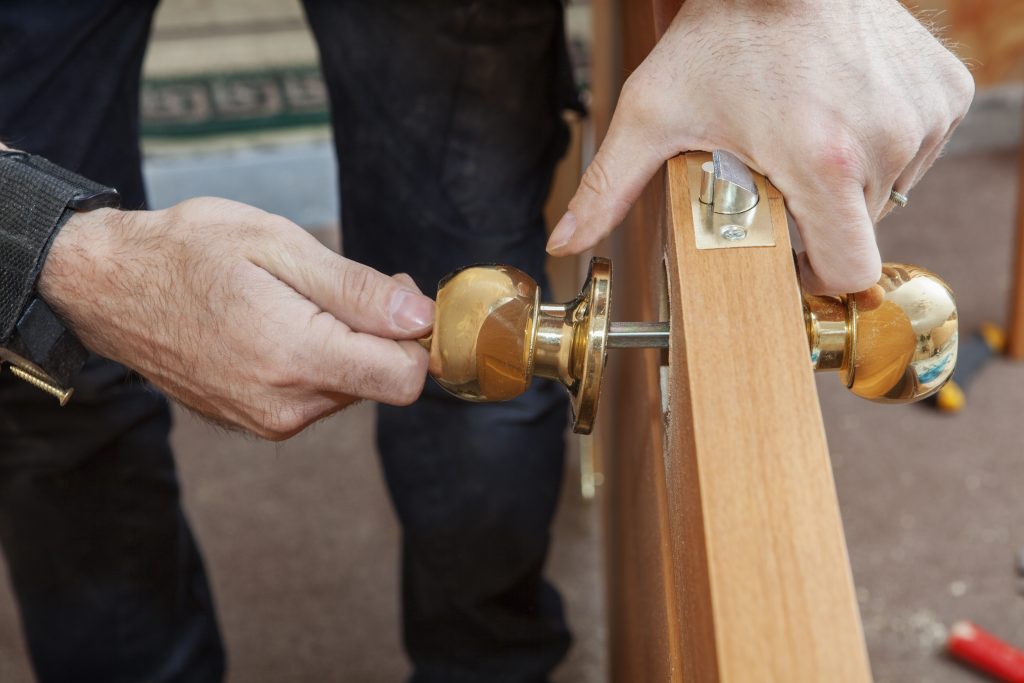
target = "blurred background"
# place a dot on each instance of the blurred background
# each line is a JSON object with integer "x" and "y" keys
{"x": 300, "y": 539}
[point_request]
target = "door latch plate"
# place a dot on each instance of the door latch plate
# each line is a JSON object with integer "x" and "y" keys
{"x": 751, "y": 228}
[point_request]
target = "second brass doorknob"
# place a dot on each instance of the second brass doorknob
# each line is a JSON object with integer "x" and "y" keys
{"x": 901, "y": 351}
{"x": 492, "y": 335}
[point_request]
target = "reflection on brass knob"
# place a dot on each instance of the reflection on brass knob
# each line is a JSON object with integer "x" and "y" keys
{"x": 492, "y": 335}
{"x": 902, "y": 351}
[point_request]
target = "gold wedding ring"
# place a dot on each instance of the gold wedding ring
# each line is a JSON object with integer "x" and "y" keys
{"x": 897, "y": 198}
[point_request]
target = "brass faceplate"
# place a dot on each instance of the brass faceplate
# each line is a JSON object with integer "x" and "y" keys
{"x": 709, "y": 227}
{"x": 591, "y": 333}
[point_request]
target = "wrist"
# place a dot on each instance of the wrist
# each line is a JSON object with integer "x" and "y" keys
{"x": 78, "y": 257}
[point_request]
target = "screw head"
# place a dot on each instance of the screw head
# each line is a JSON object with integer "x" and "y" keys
{"x": 733, "y": 232}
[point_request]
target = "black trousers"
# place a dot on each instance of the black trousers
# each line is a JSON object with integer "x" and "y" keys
{"x": 447, "y": 124}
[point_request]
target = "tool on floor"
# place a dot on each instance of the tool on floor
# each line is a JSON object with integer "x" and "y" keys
{"x": 982, "y": 650}
{"x": 492, "y": 335}
{"x": 975, "y": 353}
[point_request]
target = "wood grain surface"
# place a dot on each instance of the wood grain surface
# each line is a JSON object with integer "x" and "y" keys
{"x": 725, "y": 548}
{"x": 758, "y": 549}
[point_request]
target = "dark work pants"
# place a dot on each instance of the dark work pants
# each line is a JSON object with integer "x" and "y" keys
{"x": 108, "y": 578}
{"x": 448, "y": 126}
{"x": 447, "y": 123}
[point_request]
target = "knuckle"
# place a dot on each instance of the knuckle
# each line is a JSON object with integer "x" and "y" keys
{"x": 284, "y": 229}
{"x": 837, "y": 154}
{"x": 279, "y": 371}
{"x": 898, "y": 146}
{"x": 963, "y": 89}
{"x": 188, "y": 205}
{"x": 633, "y": 90}
{"x": 932, "y": 139}
{"x": 408, "y": 395}
{"x": 357, "y": 284}
{"x": 285, "y": 377}
{"x": 855, "y": 272}
{"x": 895, "y": 142}
{"x": 640, "y": 100}
{"x": 596, "y": 178}
{"x": 408, "y": 382}
{"x": 857, "y": 278}
{"x": 283, "y": 421}
{"x": 853, "y": 283}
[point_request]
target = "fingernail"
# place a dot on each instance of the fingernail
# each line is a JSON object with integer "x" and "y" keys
{"x": 412, "y": 311}
{"x": 563, "y": 232}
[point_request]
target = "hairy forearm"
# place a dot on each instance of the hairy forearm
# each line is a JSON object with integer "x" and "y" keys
{"x": 239, "y": 314}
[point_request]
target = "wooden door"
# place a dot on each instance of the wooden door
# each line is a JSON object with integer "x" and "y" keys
{"x": 725, "y": 548}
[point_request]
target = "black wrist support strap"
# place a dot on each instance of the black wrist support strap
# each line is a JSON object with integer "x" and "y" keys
{"x": 36, "y": 199}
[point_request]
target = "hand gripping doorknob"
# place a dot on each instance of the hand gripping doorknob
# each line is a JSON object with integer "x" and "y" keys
{"x": 492, "y": 335}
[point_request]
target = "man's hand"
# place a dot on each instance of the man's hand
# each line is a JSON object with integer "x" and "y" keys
{"x": 237, "y": 313}
{"x": 837, "y": 101}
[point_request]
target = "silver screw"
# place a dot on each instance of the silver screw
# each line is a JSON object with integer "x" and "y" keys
{"x": 733, "y": 232}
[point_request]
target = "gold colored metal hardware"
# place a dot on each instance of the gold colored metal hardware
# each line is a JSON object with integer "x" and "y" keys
{"x": 62, "y": 395}
{"x": 34, "y": 375}
{"x": 899, "y": 352}
{"x": 492, "y": 335}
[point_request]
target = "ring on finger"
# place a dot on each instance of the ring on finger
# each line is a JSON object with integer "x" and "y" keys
{"x": 898, "y": 198}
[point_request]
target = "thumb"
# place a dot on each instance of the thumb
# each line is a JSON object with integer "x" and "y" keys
{"x": 369, "y": 301}
{"x": 359, "y": 296}
{"x": 613, "y": 181}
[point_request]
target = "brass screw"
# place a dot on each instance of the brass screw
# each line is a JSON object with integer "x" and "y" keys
{"x": 63, "y": 395}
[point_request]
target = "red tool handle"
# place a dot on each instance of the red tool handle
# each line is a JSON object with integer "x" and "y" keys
{"x": 987, "y": 653}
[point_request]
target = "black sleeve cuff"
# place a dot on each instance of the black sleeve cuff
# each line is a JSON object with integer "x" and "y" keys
{"x": 36, "y": 199}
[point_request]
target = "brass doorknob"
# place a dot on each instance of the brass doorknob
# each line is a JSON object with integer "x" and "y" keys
{"x": 899, "y": 352}
{"x": 492, "y": 335}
